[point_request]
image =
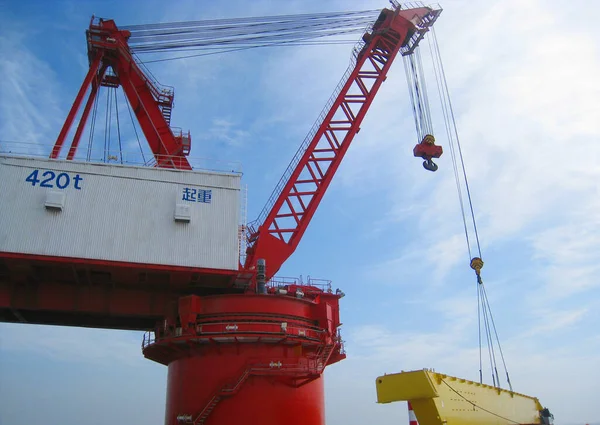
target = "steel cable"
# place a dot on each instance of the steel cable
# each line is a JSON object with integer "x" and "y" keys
{"x": 107, "y": 125}
{"x": 484, "y": 312}
{"x": 453, "y": 119}
{"x": 235, "y": 49}
{"x": 118, "y": 127}
{"x": 497, "y": 338}
{"x": 261, "y": 37}
{"x": 238, "y": 33}
{"x": 135, "y": 129}
{"x": 92, "y": 127}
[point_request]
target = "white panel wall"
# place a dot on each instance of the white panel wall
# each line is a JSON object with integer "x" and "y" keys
{"x": 119, "y": 213}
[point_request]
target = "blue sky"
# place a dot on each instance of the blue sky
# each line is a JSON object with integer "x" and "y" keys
{"x": 523, "y": 77}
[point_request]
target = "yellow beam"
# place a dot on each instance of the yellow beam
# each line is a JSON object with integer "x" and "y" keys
{"x": 405, "y": 386}
{"x": 439, "y": 399}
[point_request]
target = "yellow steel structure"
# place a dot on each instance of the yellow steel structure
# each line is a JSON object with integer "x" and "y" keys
{"x": 439, "y": 399}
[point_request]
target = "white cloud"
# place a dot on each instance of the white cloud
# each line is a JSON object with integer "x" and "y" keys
{"x": 226, "y": 132}
{"x": 28, "y": 96}
{"x": 100, "y": 346}
{"x": 551, "y": 320}
{"x": 569, "y": 252}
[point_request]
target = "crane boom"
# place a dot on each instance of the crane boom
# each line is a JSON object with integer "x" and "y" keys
{"x": 276, "y": 233}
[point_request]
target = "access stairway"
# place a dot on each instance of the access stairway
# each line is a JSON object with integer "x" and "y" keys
{"x": 296, "y": 371}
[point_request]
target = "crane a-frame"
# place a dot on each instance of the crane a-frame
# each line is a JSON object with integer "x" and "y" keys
{"x": 151, "y": 102}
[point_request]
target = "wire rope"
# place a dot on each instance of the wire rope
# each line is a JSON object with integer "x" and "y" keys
{"x": 237, "y": 49}
{"x": 92, "y": 126}
{"x": 118, "y": 127}
{"x": 445, "y": 113}
{"x": 453, "y": 120}
{"x": 485, "y": 318}
{"x": 237, "y": 33}
{"x": 129, "y": 108}
{"x": 497, "y": 338}
{"x": 106, "y": 126}
{"x": 479, "y": 336}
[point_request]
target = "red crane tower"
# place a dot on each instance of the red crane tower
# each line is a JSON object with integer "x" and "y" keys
{"x": 238, "y": 344}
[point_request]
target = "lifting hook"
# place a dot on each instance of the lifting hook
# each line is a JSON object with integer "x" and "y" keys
{"x": 427, "y": 149}
{"x": 477, "y": 265}
{"x": 428, "y": 164}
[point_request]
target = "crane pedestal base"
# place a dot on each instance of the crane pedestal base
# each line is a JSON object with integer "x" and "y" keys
{"x": 260, "y": 400}
{"x": 251, "y": 359}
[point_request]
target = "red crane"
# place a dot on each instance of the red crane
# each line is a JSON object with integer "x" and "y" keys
{"x": 214, "y": 338}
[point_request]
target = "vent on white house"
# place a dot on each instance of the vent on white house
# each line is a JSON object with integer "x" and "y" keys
{"x": 55, "y": 200}
{"x": 182, "y": 213}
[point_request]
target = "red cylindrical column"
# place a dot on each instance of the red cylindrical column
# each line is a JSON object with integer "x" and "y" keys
{"x": 252, "y": 359}
{"x": 261, "y": 400}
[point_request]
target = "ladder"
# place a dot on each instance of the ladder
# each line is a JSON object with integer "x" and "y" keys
{"x": 226, "y": 391}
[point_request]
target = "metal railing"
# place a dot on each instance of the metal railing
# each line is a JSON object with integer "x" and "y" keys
{"x": 323, "y": 284}
{"x": 148, "y": 339}
{"x": 211, "y": 329}
{"x": 422, "y": 28}
{"x": 341, "y": 342}
{"x": 165, "y": 95}
{"x": 114, "y": 157}
{"x": 407, "y": 5}
{"x": 242, "y": 240}
{"x": 281, "y": 281}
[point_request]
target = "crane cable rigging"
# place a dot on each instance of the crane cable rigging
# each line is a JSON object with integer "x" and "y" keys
{"x": 111, "y": 99}
{"x": 422, "y": 121}
{"x": 226, "y": 35}
{"x": 218, "y": 36}
{"x": 417, "y": 89}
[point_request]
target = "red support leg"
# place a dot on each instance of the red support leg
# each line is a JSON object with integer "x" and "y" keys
{"x": 69, "y": 121}
{"x": 86, "y": 114}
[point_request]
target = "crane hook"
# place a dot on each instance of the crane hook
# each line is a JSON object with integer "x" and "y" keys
{"x": 477, "y": 265}
{"x": 427, "y": 149}
{"x": 428, "y": 164}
